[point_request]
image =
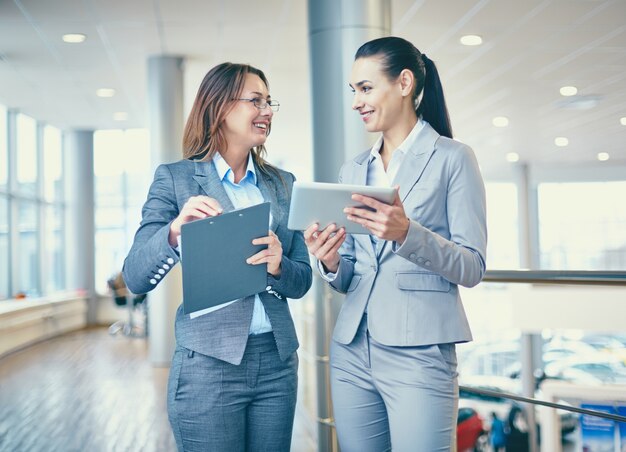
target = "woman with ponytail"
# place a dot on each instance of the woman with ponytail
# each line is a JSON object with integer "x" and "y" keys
{"x": 393, "y": 359}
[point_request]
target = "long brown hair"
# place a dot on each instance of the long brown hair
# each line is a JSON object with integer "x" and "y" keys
{"x": 203, "y": 135}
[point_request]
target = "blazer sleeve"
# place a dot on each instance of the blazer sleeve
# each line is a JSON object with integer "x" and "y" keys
{"x": 151, "y": 256}
{"x": 462, "y": 258}
{"x": 296, "y": 275}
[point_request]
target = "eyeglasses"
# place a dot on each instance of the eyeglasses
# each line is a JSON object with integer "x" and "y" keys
{"x": 261, "y": 103}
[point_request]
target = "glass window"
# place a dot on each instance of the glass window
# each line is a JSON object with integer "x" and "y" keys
{"x": 27, "y": 230}
{"x": 4, "y": 248}
{"x": 121, "y": 161}
{"x": 502, "y": 226}
{"x": 54, "y": 256}
{"x": 52, "y": 163}
{"x": 4, "y": 161}
{"x": 26, "y": 154}
{"x": 581, "y": 226}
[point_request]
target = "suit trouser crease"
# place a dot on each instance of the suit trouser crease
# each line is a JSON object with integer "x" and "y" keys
{"x": 217, "y": 406}
{"x": 385, "y": 397}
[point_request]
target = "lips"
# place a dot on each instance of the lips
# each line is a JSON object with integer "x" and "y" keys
{"x": 261, "y": 125}
{"x": 365, "y": 115}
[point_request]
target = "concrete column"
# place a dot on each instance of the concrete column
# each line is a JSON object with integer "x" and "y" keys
{"x": 532, "y": 343}
{"x": 337, "y": 28}
{"x": 165, "y": 100}
{"x": 80, "y": 217}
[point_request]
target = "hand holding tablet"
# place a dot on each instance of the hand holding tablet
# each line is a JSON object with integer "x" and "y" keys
{"x": 324, "y": 203}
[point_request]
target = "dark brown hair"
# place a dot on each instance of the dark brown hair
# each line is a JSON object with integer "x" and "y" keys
{"x": 203, "y": 135}
{"x": 398, "y": 54}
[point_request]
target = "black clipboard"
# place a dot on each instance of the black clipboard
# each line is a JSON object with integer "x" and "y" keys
{"x": 213, "y": 257}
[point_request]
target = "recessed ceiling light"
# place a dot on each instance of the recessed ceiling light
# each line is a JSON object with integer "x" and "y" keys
{"x": 568, "y": 91}
{"x": 622, "y": 120}
{"x": 105, "y": 92}
{"x": 561, "y": 141}
{"x": 512, "y": 157}
{"x": 120, "y": 116}
{"x": 471, "y": 40}
{"x": 74, "y": 38}
{"x": 500, "y": 121}
{"x": 603, "y": 156}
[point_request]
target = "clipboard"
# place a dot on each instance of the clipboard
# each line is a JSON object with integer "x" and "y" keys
{"x": 213, "y": 257}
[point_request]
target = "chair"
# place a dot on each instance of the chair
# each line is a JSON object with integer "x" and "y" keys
{"x": 123, "y": 297}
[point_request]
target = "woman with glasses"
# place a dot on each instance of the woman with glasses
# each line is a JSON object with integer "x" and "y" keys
{"x": 233, "y": 379}
{"x": 393, "y": 359}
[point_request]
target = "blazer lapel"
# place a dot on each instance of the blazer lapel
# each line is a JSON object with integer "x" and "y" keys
{"x": 206, "y": 175}
{"x": 267, "y": 186}
{"x": 413, "y": 165}
{"x": 415, "y": 160}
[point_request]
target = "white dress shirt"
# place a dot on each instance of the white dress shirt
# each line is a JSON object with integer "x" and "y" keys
{"x": 243, "y": 194}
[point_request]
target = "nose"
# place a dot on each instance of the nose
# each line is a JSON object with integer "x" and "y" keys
{"x": 267, "y": 112}
{"x": 357, "y": 103}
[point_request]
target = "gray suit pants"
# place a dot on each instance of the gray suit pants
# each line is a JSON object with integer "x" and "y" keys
{"x": 217, "y": 406}
{"x": 400, "y": 398}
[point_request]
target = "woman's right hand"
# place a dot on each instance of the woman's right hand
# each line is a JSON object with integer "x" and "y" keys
{"x": 196, "y": 208}
{"x": 325, "y": 245}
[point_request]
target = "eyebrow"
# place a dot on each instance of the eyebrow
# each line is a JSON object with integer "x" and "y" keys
{"x": 359, "y": 84}
{"x": 260, "y": 94}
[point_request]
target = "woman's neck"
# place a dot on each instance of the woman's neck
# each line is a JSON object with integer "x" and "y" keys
{"x": 393, "y": 137}
{"x": 237, "y": 160}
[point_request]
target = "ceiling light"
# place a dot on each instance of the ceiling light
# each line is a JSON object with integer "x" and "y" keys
{"x": 105, "y": 92}
{"x": 500, "y": 121}
{"x": 471, "y": 40}
{"x": 622, "y": 120}
{"x": 568, "y": 91}
{"x": 512, "y": 157}
{"x": 74, "y": 38}
{"x": 561, "y": 141}
{"x": 120, "y": 116}
{"x": 603, "y": 156}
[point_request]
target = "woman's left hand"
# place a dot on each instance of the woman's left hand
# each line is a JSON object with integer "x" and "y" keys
{"x": 388, "y": 222}
{"x": 272, "y": 255}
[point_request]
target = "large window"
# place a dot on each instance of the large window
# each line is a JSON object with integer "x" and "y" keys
{"x": 31, "y": 207}
{"x": 26, "y": 154}
{"x": 581, "y": 225}
{"x": 122, "y": 162}
{"x": 502, "y": 226}
{"x": 54, "y": 274}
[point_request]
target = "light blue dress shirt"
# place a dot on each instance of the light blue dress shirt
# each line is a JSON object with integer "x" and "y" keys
{"x": 245, "y": 194}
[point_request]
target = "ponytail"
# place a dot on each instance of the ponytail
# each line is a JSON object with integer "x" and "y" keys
{"x": 398, "y": 54}
{"x": 433, "y": 108}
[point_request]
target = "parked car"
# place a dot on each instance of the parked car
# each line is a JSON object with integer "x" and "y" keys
{"x": 486, "y": 404}
{"x": 470, "y": 434}
{"x": 592, "y": 370}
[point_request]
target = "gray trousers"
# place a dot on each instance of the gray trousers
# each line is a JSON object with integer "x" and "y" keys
{"x": 217, "y": 406}
{"x": 400, "y": 398}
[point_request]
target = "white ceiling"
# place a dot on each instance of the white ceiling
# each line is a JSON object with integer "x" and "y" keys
{"x": 531, "y": 48}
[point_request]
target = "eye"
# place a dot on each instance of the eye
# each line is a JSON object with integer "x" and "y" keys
{"x": 365, "y": 89}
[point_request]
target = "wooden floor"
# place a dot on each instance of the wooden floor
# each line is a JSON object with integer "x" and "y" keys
{"x": 88, "y": 391}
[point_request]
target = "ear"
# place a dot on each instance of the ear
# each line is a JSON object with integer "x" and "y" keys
{"x": 407, "y": 82}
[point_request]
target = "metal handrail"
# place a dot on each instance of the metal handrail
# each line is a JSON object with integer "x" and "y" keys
{"x": 504, "y": 395}
{"x": 610, "y": 278}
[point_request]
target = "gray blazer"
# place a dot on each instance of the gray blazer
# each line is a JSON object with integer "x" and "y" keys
{"x": 411, "y": 291}
{"x": 222, "y": 334}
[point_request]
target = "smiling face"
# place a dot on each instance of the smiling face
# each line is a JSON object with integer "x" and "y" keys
{"x": 377, "y": 99}
{"x": 246, "y": 126}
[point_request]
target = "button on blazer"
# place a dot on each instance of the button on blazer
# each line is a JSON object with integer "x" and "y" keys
{"x": 223, "y": 333}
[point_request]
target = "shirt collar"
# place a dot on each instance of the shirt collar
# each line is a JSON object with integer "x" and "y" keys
{"x": 225, "y": 172}
{"x": 408, "y": 142}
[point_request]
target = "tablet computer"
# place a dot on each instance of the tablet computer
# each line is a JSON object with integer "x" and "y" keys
{"x": 323, "y": 203}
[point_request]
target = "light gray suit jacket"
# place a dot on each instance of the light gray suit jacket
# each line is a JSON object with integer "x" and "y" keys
{"x": 411, "y": 291}
{"x": 222, "y": 334}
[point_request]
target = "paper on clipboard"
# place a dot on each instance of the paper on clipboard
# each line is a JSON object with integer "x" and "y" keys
{"x": 213, "y": 257}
